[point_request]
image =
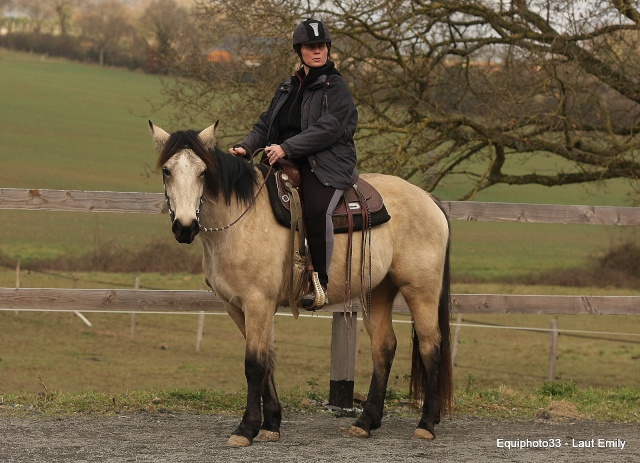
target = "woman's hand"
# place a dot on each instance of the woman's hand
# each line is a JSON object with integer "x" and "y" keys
{"x": 238, "y": 151}
{"x": 274, "y": 152}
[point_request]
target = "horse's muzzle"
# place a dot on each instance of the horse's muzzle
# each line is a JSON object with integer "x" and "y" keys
{"x": 185, "y": 234}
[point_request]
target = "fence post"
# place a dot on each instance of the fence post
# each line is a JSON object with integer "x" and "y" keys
{"x": 200, "y": 332}
{"x": 18, "y": 274}
{"x": 343, "y": 359}
{"x": 136, "y": 285}
{"x": 456, "y": 340}
{"x": 17, "y": 279}
{"x": 553, "y": 350}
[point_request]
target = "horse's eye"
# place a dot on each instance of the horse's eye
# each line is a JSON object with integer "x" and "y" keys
{"x": 202, "y": 174}
{"x": 166, "y": 172}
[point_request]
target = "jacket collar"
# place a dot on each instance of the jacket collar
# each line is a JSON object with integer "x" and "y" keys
{"x": 316, "y": 77}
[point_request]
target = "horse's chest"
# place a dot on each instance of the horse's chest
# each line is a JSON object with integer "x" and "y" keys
{"x": 223, "y": 280}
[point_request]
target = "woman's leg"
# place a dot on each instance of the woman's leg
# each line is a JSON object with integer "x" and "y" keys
{"x": 319, "y": 202}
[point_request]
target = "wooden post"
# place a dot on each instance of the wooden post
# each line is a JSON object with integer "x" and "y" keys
{"x": 17, "y": 279}
{"x": 136, "y": 285}
{"x": 456, "y": 340}
{"x": 200, "y": 332}
{"x": 343, "y": 359}
{"x": 18, "y": 274}
{"x": 553, "y": 350}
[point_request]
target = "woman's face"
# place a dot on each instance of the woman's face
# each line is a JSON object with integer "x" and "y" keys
{"x": 314, "y": 55}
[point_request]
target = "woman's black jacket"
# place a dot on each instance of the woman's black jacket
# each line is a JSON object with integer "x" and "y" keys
{"x": 329, "y": 120}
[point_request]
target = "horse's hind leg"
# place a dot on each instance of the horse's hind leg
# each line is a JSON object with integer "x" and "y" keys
{"x": 427, "y": 361}
{"x": 383, "y": 349}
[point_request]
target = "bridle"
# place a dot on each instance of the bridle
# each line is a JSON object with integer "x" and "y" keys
{"x": 201, "y": 227}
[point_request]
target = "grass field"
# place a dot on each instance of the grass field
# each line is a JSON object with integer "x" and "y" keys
{"x": 71, "y": 126}
{"x": 57, "y": 351}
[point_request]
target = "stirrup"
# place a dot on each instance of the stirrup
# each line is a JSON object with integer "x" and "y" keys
{"x": 318, "y": 298}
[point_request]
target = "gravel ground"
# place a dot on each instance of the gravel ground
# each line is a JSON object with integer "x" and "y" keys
{"x": 168, "y": 437}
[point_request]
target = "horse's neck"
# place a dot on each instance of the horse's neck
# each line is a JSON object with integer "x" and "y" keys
{"x": 238, "y": 220}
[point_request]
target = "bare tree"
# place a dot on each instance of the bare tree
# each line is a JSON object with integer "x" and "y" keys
{"x": 479, "y": 89}
{"x": 4, "y": 4}
{"x": 63, "y": 10}
{"x": 107, "y": 23}
{"x": 36, "y": 12}
{"x": 164, "y": 24}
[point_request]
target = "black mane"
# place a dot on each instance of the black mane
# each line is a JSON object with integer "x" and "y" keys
{"x": 226, "y": 174}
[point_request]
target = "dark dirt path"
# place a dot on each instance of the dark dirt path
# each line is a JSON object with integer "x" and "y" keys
{"x": 167, "y": 437}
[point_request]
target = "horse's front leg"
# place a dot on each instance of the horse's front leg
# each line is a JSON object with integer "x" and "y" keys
{"x": 260, "y": 385}
{"x": 271, "y": 410}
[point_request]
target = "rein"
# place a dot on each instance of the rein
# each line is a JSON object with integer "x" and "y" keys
{"x": 217, "y": 229}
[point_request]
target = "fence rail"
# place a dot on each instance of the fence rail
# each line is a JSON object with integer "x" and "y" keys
{"x": 81, "y": 201}
{"x": 128, "y": 300}
{"x": 150, "y": 203}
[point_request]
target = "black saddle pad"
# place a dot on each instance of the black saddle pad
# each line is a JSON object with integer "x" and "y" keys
{"x": 340, "y": 220}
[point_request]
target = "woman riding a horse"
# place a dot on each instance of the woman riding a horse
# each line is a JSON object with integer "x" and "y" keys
{"x": 219, "y": 198}
{"x": 311, "y": 121}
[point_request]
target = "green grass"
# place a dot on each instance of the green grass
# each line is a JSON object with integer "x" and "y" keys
{"x": 61, "y": 351}
{"x": 614, "y": 404}
{"x": 499, "y": 249}
{"x": 604, "y": 193}
{"x": 72, "y": 126}
{"x": 43, "y": 234}
{"x": 604, "y": 404}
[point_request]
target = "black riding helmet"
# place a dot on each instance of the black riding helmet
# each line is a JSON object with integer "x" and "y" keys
{"x": 310, "y": 31}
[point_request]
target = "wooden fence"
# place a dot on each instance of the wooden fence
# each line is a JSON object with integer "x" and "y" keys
{"x": 343, "y": 336}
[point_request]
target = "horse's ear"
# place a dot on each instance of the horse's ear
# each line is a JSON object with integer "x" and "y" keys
{"x": 160, "y": 137}
{"x": 208, "y": 135}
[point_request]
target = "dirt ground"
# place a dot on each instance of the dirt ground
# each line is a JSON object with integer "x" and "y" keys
{"x": 168, "y": 437}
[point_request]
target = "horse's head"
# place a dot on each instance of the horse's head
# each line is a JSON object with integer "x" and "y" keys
{"x": 184, "y": 167}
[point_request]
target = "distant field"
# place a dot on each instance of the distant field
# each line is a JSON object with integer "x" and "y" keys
{"x": 66, "y": 125}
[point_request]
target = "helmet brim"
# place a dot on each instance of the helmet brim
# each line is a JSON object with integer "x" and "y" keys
{"x": 319, "y": 40}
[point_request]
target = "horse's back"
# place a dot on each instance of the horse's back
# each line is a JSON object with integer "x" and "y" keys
{"x": 408, "y": 204}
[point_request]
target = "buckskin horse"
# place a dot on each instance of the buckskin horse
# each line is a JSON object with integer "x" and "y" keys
{"x": 219, "y": 197}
